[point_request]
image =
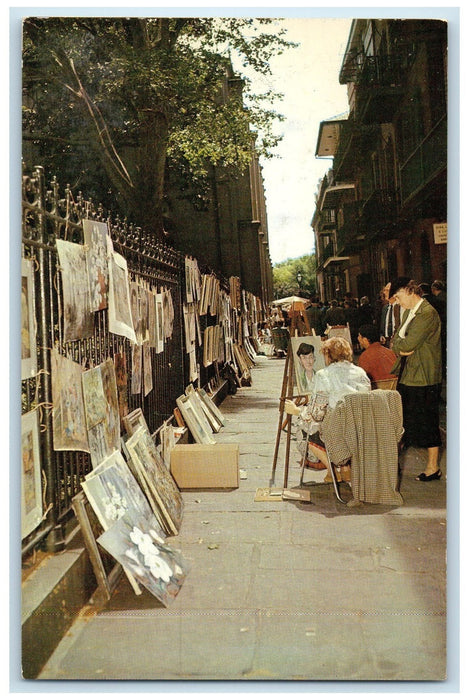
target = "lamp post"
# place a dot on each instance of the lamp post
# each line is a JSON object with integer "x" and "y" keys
{"x": 299, "y": 277}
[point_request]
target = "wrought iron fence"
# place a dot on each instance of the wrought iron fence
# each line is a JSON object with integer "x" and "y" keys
{"x": 48, "y": 216}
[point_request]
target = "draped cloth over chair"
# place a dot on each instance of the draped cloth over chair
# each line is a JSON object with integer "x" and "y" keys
{"x": 365, "y": 428}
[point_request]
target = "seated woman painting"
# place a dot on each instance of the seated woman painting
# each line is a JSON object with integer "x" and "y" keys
{"x": 329, "y": 385}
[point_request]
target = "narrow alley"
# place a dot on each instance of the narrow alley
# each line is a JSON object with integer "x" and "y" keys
{"x": 281, "y": 590}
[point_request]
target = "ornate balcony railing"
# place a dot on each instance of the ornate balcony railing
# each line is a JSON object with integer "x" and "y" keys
{"x": 425, "y": 162}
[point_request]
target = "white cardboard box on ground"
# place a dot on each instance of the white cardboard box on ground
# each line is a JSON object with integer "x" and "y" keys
{"x": 199, "y": 466}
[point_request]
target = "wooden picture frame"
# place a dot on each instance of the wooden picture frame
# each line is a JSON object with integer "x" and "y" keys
{"x": 31, "y": 486}
{"x": 120, "y": 315}
{"x": 163, "y": 488}
{"x": 107, "y": 577}
{"x": 78, "y": 317}
{"x": 28, "y": 321}
{"x": 134, "y": 420}
{"x": 201, "y": 431}
{"x": 95, "y": 235}
{"x": 211, "y": 405}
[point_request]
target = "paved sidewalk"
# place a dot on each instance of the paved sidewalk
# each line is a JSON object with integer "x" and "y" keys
{"x": 282, "y": 590}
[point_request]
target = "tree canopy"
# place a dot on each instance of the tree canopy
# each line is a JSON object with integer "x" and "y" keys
{"x": 112, "y": 103}
{"x": 285, "y": 277}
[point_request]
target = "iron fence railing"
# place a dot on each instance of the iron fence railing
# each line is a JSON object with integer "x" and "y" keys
{"x": 48, "y": 216}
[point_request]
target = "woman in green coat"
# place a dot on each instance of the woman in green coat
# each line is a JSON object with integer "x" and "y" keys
{"x": 417, "y": 346}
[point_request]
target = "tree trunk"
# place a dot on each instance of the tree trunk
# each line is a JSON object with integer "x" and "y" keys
{"x": 151, "y": 161}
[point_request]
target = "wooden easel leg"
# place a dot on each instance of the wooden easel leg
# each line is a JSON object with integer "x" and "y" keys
{"x": 285, "y": 383}
{"x": 287, "y": 454}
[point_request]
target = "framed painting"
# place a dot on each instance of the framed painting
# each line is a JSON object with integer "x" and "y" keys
{"x": 146, "y": 460}
{"x": 31, "y": 494}
{"x": 188, "y": 280}
{"x": 101, "y": 410}
{"x": 112, "y": 489}
{"x": 98, "y": 444}
{"x": 152, "y": 329}
{"x": 78, "y": 318}
{"x": 147, "y": 373}
{"x": 307, "y": 360}
{"x": 198, "y": 406}
{"x": 136, "y": 381}
{"x": 167, "y": 442}
{"x": 134, "y": 308}
{"x": 111, "y": 419}
{"x": 140, "y": 550}
{"x": 93, "y": 396}
{"x": 340, "y": 332}
{"x": 198, "y": 428}
{"x": 211, "y": 406}
{"x": 143, "y": 313}
{"x": 168, "y": 313}
{"x": 95, "y": 234}
{"x": 28, "y": 321}
{"x": 120, "y": 316}
{"x": 120, "y": 366}
{"x": 68, "y": 412}
{"x": 159, "y": 323}
{"x": 134, "y": 420}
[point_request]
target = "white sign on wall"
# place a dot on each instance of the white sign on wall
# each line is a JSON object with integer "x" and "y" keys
{"x": 440, "y": 233}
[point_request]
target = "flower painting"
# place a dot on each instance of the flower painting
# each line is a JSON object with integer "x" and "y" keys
{"x": 112, "y": 489}
{"x": 141, "y": 551}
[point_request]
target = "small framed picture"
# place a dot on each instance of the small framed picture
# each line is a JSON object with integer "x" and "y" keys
{"x": 134, "y": 420}
{"x": 198, "y": 427}
{"x": 28, "y": 321}
{"x": 31, "y": 496}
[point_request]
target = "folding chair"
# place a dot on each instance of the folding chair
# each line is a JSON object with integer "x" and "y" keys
{"x": 334, "y": 479}
{"x": 384, "y": 383}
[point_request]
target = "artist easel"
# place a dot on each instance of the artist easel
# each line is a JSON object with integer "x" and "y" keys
{"x": 299, "y": 327}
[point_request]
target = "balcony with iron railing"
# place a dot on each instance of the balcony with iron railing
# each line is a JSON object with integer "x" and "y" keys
{"x": 427, "y": 161}
{"x": 349, "y": 233}
{"x": 380, "y": 86}
{"x": 354, "y": 145}
{"x": 325, "y": 253}
{"x": 379, "y": 213}
{"x": 327, "y": 221}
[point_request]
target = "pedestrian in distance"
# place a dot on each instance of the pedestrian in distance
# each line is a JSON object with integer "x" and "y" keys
{"x": 314, "y": 315}
{"x": 335, "y": 315}
{"x": 365, "y": 312}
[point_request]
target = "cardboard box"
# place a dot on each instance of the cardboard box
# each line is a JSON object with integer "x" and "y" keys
{"x": 205, "y": 466}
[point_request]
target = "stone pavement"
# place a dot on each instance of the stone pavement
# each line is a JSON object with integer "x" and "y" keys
{"x": 282, "y": 590}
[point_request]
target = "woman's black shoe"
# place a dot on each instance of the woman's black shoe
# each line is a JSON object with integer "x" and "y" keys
{"x": 430, "y": 477}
